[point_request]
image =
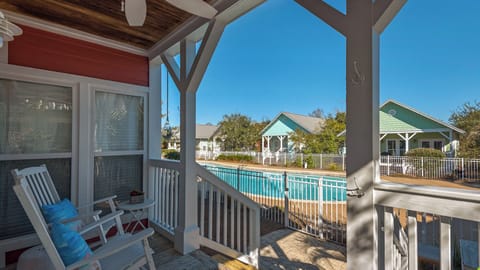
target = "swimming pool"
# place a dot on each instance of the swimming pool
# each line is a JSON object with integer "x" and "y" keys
{"x": 272, "y": 185}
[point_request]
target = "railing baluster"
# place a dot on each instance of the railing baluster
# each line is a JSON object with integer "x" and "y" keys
{"x": 202, "y": 208}
{"x": 239, "y": 223}
{"x": 388, "y": 236}
{"x": 232, "y": 223}
{"x": 217, "y": 218}
{"x": 412, "y": 241}
{"x": 210, "y": 210}
{"x": 445, "y": 243}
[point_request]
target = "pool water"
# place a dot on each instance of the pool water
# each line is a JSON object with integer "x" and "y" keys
{"x": 270, "y": 184}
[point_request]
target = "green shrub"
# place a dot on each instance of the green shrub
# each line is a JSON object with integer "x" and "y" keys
{"x": 171, "y": 154}
{"x": 425, "y": 152}
{"x": 333, "y": 167}
{"x": 237, "y": 157}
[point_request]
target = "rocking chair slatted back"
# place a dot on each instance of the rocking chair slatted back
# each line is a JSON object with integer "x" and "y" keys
{"x": 32, "y": 209}
{"x": 40, "y": 183}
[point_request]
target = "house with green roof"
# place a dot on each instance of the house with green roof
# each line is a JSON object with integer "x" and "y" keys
{"x": 276, "y": 135}
{"x": 403, "y": 128}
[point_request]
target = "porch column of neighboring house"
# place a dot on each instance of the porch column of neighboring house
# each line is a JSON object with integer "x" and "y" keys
{"x": 362, "y": 25}
{"x": 268, "y": 143}
{"x": 407, "y": 137}
{"x": 263, "y": 144}
{"x": 281, "y": 143}
{"x": 187, "y": 77}
{"x": 449, "y": 137}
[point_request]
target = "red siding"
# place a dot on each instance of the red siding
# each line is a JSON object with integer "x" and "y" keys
{"x": 49, "y": 51}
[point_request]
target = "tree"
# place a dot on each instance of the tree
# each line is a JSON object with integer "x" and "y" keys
{"x": 467, "y": 117}
{"x": 317, "y": 113}
{"x": 326, "y": 141}
{"x": 238, "y": 133}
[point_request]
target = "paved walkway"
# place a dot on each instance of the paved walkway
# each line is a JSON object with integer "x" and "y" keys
{"x": 287, "y": 249}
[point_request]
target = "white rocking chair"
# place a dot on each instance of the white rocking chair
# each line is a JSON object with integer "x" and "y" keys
{"x": 44, "y": 192}
{"x": 122, "y": 252}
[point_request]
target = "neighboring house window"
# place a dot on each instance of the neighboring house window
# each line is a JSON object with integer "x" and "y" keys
{"x": 396, "y": 147}
{"x": 436, "y": 144}
{"x": 119, "y": 144}
{"x": 35, "y": 129}
{"x": 392, "y": 147}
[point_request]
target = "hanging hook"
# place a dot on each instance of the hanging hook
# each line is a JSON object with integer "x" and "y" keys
{"x": 355, "y": 192}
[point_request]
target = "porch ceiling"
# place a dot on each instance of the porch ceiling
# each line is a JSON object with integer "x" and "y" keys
{"x": 104, "y": 18}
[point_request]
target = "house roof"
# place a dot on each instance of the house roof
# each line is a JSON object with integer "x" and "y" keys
{"x": 392, "y": 121}
{"x": 205, "y": 131}
{"x": 308, "y": 123}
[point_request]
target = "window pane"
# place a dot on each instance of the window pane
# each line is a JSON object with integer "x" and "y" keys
{"x": 119, "y": 122}
{"x": 425, "y": 144}
{"x": 35, "y": 118}
{"x": 118, "y": 175}
{"x": 13, "y": 220}
{"x": 438, "y": 145}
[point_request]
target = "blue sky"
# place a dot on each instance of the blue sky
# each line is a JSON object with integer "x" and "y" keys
{"x": 279, "y": 57}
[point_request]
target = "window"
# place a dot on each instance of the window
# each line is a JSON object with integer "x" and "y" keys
{"x": 119, "y": 144}
{"x": 35, "y": 129}
{"x": 425, "y": 144}
{"x": 392, "y": 147}
{"x": 438, "y": 145}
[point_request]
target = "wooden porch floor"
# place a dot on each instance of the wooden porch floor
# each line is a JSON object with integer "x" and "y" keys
{"x": 280, "y": 249}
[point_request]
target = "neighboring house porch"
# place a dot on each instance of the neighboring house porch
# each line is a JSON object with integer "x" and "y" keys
{"x": 276, "y": 135}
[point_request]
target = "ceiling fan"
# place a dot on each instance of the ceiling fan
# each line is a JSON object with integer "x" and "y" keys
{"x": 136, "y": 10}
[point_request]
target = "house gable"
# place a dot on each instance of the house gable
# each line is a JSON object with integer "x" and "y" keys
{"x": 282, "y": 126}
{"x": 397, "y": 118}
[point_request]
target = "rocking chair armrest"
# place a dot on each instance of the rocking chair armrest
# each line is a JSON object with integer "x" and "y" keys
{"x": 82, "y": 217}
{"x": 101, "y": 221}
{"x": 116, "y": 247}
{"x": 106, "y": 199}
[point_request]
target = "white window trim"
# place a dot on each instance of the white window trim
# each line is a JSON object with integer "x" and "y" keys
{"x": 116, "y": 89}
{"x": 81, "y": 120}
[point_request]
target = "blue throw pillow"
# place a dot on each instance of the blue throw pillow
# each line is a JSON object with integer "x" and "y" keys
{"x": 70, "y": 245}
{"x": 61, "y": 211}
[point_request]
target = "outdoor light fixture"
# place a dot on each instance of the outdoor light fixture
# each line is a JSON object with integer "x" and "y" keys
{"x": 7, "y": 30}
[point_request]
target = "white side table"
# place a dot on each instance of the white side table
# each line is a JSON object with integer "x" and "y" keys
{"x": 136, "y": 210}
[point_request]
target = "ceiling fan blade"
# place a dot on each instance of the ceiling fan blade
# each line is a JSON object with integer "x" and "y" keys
{"x": 196, "y": 7}
{"x": 135, "y": 12}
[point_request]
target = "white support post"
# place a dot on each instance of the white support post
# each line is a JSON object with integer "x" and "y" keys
{"x": 187, "y": 77}
{"x": 362, "y": 25}
{"x": 388, "y": 234}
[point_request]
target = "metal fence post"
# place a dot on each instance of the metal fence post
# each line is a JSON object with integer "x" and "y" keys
{"x": 286, "y": 218}
{"x": 238, "y": 178}
{"x": 388, "y": 165}
{"x": 422, "y": 167}
{"x": 463, "y": 168}
{"x": 321, "y": 161}
{"x": 320, "y": 206}
{"x": 343, "y": 162}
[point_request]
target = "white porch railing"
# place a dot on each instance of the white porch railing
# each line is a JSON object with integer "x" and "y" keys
{"x": 164, "y": 180}
{"x": 444, "y": 203}
{"x": 229, "y": 222}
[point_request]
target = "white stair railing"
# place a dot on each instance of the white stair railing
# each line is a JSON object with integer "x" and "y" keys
{"x": 229, "y": 221}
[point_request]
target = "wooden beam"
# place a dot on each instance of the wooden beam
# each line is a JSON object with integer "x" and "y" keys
{"x": 204, "y": 55}
{"x": 326, "y": 13}
{"x": 173, "y": 69}
{"x": 384, "y": 11}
